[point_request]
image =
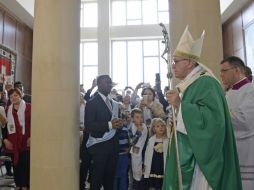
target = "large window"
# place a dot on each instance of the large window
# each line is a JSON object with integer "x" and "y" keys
{"x": 88, "y": 63}
{"x": 131, "y": 61}
{"x": 88, "y": 13}
{"x": 135, "y": 61}
{"x": 138, "y": 12}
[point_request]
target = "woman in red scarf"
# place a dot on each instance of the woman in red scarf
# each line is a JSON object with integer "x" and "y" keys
{"x": 17, "y": 137}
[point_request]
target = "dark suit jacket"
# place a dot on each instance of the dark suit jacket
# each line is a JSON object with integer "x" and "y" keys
{"x": 88, "y": 95}
{"x": 27, "y": 98}
{"x": 97, "y": 116}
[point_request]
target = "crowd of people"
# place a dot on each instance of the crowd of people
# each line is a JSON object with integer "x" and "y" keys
{"x": 197, "y": 136}
{"x": 129, "y": 139}
{"x": 118, "y": 133}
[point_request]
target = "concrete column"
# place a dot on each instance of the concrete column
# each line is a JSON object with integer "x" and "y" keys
{"x": 55, "y": 96}
{"x": 103, "y": 37}
{"x": 199, "y": 15}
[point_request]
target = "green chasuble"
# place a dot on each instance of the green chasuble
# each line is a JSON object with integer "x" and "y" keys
{"x": 209, "y": 141}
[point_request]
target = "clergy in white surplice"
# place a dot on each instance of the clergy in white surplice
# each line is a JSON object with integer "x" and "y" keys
{"x": 240, "y": 98}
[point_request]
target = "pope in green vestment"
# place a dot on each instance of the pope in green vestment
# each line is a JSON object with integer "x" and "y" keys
{"x": 208, "y": 141}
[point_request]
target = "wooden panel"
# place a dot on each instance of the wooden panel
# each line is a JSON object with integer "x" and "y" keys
{"x": 237, "y": 29}
{"x": 28, "y": 46}
{"x": 227, "y": 40}
{"x": 240, "y": 53}
{"x": 9, "y": 32}
{"x": 24, "y": 40}
{"x": 24, "y": 72}
{"x": 20, "y": 38}
{"x": 248, "y": 14}
{"x": 233, "y": 29}
{"x": 1, "y": 25}
{"x": 18, "y": 69}
{"x": 27, "y": 82}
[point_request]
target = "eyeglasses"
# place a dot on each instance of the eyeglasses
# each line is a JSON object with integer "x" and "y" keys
{"x": 225, "y": 70}
{"x": 177, "y": 61}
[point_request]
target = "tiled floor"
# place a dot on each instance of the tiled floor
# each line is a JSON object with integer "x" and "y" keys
{"x": 6, "y": 182}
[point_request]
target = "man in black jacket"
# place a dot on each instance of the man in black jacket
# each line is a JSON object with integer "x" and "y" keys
{"x": 101, "y": 121}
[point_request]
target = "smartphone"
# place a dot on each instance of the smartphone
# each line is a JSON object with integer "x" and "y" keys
{"x": 157, "y": 77}
{"x": 145, "y": 85}
{"x": 158, "y": 82}
{"x": 145, "y": 99}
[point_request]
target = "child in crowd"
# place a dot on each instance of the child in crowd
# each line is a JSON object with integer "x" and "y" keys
{"x": 121, "y": 176}
{"x": 155, "y": 155}
{"x": 139, "y": 131}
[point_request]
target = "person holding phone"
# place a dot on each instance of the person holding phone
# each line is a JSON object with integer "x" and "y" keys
{"x": 150, "y": 107}
{"x": 135, "y": 99}
{"x": 160, "y": 94}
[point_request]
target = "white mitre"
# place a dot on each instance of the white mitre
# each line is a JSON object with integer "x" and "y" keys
{"x": 188, "y": 48}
